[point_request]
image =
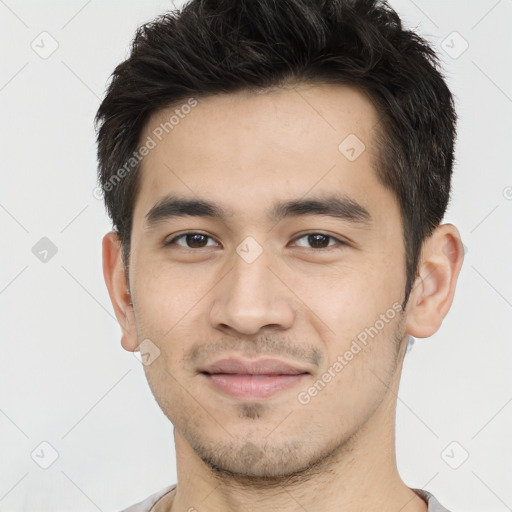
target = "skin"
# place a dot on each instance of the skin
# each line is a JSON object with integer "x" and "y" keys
{"x": 302, "y": 304}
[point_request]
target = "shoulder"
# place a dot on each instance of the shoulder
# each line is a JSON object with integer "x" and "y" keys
{"x": 147, "y": 504}
{"x": 433, "y": 504}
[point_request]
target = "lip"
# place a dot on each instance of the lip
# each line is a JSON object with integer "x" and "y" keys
{"x": 240, "y": 366}
{"x": 252, "y": 387}
{"x": 252, "y": 379}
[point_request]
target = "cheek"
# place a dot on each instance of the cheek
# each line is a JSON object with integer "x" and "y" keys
{"x": 345, "y": 298}
{"x": 355, "y": 312}
{"x": 351, "y": 386}
{"x": 166, "y": 388}
{"x": 167, "y": 296}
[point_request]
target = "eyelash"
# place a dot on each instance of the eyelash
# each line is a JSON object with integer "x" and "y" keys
{"x": 173, "y": 240}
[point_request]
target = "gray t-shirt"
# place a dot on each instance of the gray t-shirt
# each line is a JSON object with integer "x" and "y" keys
{"x": 148, "y": 504}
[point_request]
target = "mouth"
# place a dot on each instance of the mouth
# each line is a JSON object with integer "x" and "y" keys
{"x": 252, "y": 379}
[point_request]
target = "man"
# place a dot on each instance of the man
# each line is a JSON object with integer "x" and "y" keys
{"x": 276, "y": 173}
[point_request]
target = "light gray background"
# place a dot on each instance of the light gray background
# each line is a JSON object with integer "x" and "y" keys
{"x": 64, "y": 377}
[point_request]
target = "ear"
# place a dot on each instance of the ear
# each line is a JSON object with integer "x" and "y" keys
{"x": 117, "y": 285}
{"x": 431, "y": 297}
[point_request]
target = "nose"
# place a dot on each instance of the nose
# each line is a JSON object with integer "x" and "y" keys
{"x": 252, "y": 297}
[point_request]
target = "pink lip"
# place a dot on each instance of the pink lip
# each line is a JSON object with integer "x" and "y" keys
{"x": 252, "y": 379}
{"x": 252, "y": 386}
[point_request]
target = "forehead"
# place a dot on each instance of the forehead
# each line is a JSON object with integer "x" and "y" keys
{"x": 242, "y": 146}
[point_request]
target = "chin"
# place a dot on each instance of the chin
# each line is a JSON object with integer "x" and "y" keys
{"x": 251, "y": 462}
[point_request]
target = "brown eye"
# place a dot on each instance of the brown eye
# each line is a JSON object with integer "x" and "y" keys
{"x": 191, "y": 240}
{"x": 319, "y": 241}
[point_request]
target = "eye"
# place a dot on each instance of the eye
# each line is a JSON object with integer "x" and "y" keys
{"x": 195, "y": 240}
{"x": 319, "y": 240}
{"x": 191, "y": 240}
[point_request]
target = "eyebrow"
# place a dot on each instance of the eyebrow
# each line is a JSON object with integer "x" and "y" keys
{"x": 337, "y": 206}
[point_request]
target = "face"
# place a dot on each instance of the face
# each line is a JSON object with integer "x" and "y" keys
{"x": 297, "y": 258}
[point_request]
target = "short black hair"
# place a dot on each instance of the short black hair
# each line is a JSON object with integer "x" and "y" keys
{"x": 222, "y": 46}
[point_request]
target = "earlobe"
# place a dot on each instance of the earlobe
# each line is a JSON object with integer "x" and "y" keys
{"x": 117, "y": 285}
{"x": 432, "y": 295}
